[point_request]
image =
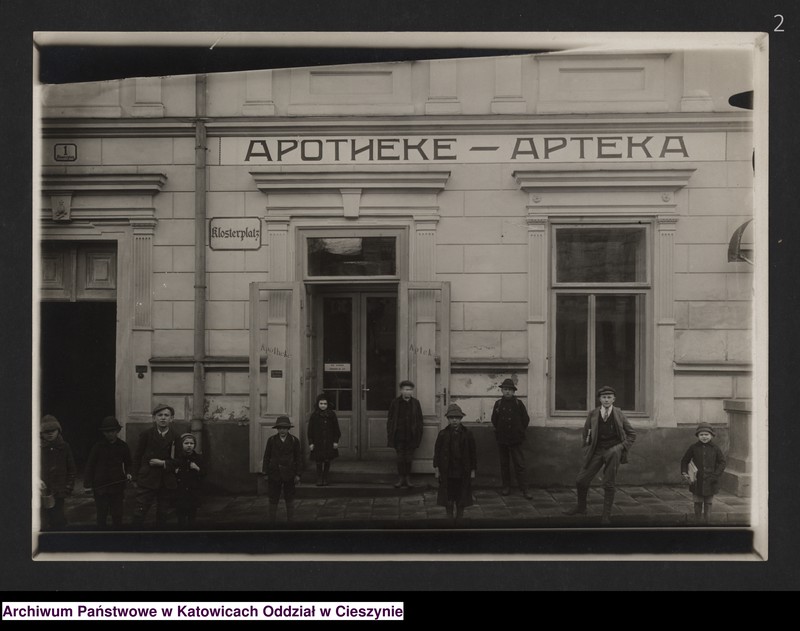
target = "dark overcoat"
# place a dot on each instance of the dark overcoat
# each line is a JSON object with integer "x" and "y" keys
{"x": 58, "y": 466}
{"x": 510, "y": 419}
{"x": 710, "y": 463}
{"x": 282, "y": 459}
{"x": 153, "y": 445}
{"x": 415, "y": 422}
{"x": 187, "y": 479}
{"x": 469, "y": 463}
{"x": 323, "y": 431}
{"x": 590, "y": 433}
{"x": 107, "y": 466}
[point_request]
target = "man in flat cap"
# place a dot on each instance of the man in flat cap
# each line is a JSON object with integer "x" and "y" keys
{"x": 510, "y": 421}
{"x": 607, "y": 437}
{"x": 155, "y": 478}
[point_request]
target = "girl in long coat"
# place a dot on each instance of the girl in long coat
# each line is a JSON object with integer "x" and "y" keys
{"x": 323, "y": 438}
{"x": 455, "y": 461}
{"x": 710, "y": 463}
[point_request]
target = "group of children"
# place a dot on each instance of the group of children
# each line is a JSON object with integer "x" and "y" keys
{"x": 169, "y": 471}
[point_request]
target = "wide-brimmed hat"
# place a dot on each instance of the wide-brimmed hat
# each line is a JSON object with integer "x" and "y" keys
{"x": 49, "y": 423}
{"x": 163, "y": 406}
{"x": 109, "y": 423}
{"x": 606, "y": 390}
{"x": 508, "y": 383}
{"x": 283, "y": 421}
{"x": 705, "y": 427}
{"x": 186, "y": 435}
{"x": 454, "y": 410}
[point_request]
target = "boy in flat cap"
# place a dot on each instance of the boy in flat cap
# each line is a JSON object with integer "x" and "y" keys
{"x": 510, "y": 420}
{"x": 607, "y": 437}
{"x": 57, "y": 476}
{"x": 155, "y": 473}
{"x": 455, "y": 462}
{"x": 282, "y": 465}
{"x": 709, "y": 462}
{"x": 108, "y": 469}
{"x": 404, "y": 430}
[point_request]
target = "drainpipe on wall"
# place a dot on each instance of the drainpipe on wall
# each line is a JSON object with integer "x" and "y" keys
{"x": 199, "y": 389}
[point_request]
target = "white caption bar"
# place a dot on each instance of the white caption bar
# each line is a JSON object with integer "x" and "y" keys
{"x": 332, "y": 610}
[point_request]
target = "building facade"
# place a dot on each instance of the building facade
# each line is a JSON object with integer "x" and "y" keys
{"x": 560, "y": 219}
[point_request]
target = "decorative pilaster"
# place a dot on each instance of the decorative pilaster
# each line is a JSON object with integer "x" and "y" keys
{"x": 142, "y": 274}
{"x": 423, "y": 309}
{"x": 664, "y": 282}
{"x": 537, "y": 317}
{"x": 443, "y": 88}
{"x": 508, "y": 86}
{"x": 278, "y": 245}
{"x": 258, "y": 94}
{"x": 278, "y": 353}
{"x": 147, "y": 98}
{"x": 696, "y": 79}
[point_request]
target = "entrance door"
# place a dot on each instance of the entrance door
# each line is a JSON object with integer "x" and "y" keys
{"x": 358, "y": 364}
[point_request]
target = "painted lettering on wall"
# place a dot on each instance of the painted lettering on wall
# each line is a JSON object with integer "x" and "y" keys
{"x": 486, "y": 148}
{"x": 274, "y": 350}
{"x": 419, "y": 350}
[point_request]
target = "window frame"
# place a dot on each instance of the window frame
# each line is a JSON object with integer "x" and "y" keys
{"x": 644, "y": 309}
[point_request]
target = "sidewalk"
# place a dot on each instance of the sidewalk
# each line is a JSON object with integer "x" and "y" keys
{"x": 345, "y": 507}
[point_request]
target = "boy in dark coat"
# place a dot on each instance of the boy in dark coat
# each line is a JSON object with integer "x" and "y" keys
{"x": 510, "y": 420}
{"x": 57, "y": 477}
{"x": 189, "y": 474}
{"x": 607, "y": 437}
{"x": 107, "y": 470}
{"x": 455, "y": 461}
{"x": 710, "y": 463}
{"x": 404, "y": 430}
{"x": 155, "y": 477}
{"x": 282, "y": 465}
{"x": 323, "y": 438}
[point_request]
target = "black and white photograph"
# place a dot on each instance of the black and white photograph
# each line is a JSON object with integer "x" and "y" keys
{"x": 521, "y": 290}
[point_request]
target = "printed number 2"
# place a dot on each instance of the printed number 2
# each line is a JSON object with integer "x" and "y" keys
{"x": 778, "y": 28}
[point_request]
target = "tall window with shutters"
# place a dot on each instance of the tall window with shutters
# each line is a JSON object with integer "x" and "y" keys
{"x": 600, "y": 293}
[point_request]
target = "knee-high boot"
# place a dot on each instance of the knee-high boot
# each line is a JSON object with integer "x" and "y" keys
{"x": 580, "y": 509}
{"x": 608, "y": 503}
{"x": 326, "y": 467}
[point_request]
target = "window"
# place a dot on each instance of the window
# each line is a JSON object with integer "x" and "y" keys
{"x": 337, "y": 254}
{"x": 601, "y": 283}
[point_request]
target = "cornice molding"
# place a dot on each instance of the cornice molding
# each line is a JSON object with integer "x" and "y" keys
{"x": 115, "y": 182}
{"x": 349, "y": 181}
{"x": 592, "y": 178}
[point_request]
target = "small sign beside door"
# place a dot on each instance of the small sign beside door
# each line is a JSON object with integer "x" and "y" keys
{"x": 337, "y": 367}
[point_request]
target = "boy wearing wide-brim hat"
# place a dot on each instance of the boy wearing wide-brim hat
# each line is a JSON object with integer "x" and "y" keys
{"x": 607, "y": 437}
{"x": 57, "y": 476}
{"x": 152, "y": 461}
{"x": 108, "y": 468}
{"x": 455, "y": 462}
{"x": 282, "y": 465}
{"x": 709, "y": 462}
{"x": 510, "y": 421}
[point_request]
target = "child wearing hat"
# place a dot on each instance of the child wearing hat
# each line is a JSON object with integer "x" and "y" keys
{"x": 323, "y": 438}
{"x": 455, "y": 461}
{"x": 282, "y": 465}
{"x": 188, "y": 473}
{"x": 607, "y": 436}
{"x": 57, "y": 476}
{"x": 107, "y": 471}
{"x": 509, "y": 421}
{"x": 155, "y": 478}
{"x": 710, "y": 463}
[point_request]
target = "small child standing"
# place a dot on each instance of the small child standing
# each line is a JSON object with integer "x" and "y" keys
{"x": 282, "y": 465}
{"x": 189, "y": 474}
{"x": 323, "y": 438}
{"x": 455, "y": 461}
{"x": 57, "y": 475}
{"x": 710, "y": 463}
{"x": 107, "y": 470}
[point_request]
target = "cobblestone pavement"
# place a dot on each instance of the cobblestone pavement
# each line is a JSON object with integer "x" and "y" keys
{"x": 634, "y": 506}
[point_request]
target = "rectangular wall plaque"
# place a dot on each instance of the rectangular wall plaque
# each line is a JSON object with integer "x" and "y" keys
{"x": 337, "y": 367}
{"x": 235, "y": 233}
